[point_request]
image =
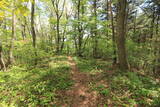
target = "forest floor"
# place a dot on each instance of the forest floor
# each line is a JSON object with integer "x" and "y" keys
{"x": 80, "y": 93}
{"x": 84, "y": 92}
{"x": 65, "y": 81}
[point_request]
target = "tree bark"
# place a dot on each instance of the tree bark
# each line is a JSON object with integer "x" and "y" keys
{"x": 95, "y": 47}
{"x": 63, "y": 38}
{"x": 11, "y": 58}
{"x": 33, "y": 30}
{"x": 32, "y": 24}
{"x": 121, "y": 34}
{"x": 23, "y": 31}
{"x": 79, "y": 30}
{"x": 113, "y": 35}
{"x": 2, "y": 63}
{"x": 59, "y": 14}
{"x": 157, "y": 49}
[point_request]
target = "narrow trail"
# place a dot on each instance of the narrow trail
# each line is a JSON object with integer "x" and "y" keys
{"x": 80, "y": 94}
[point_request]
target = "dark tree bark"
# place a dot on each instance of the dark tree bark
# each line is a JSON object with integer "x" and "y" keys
{"x": 121, "y": 34}
{"x": 95, "y": 39}
{"x": 58, "y": 36}
{"x": 32, "y": 24}
{"x": 113, "y": 35}
{"x": 23, "y": 30}
{"x": 2, "y": 63}
{"x": 33, "y": 29}
{"x": 156, "y": 69}
{"x": 64, "y": 33}
{"x": 80, "y": 37}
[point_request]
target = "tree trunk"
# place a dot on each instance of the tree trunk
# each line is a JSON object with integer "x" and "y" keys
{"x": 59, "y": 14}
{"x": 75, "y": 44}
{"x": 2, "y": 63}
{"x": 33, "y": 29}
{"x": 121, "y": 34}
{"x": 79, "y": 31}
{"x": 11, "y": 58}
{"x": 58, "y": 36}
{"x": 95, "y": 47}
{"x": 157, "y": 49}
{"x": 23, "y": 31}
{"x": 32, "y": 24}
{"x": 113, "y": 35}
{"x": 63, "y": 39}
{"x": 135, "y": 21}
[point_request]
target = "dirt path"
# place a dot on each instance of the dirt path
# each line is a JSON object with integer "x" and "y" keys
{"x": 80, "y": 94}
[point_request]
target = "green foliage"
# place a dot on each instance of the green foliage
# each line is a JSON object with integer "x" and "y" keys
{"x": 25, "y": 53}
{"x": 92, "y": 66}
{"x": 123, "y": 89}
{"x": 28, "y": 84}
{"x": 134, "y": 87}
{"x": 139, "y": 56}
{"x": 23, "y": 87}
{"x": 102, "y": 90}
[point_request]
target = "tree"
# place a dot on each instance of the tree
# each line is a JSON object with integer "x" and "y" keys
{"x": 95, "y": 38}
{"x": 113, "y": 33}
{"x": 11, "y": 58}
{"x": 32, "y": 24}
{"x": 59, "y": 13}
{"x": 80, "y": 35}
{"x": 2, "y": 63}
{"x": 33, "y": 29}
{"x": 121, "y": 34}
{"x": 152, "y": 10}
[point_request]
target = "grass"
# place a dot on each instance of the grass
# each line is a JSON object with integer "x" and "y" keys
{"x": 36, "y": 87}
{"x": 132, "y": 88}
{"x": 44, "y": 86}
{"x": 92, "y": 66}
{"x": 125, "y": 89}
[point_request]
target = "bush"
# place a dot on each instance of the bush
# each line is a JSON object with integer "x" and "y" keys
{"x": 143, "y": 90}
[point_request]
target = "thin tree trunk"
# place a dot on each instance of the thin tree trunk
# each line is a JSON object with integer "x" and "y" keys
{"x": 76, "y": 47}
{"x": 58, "y": 36}
{"x": 135, "y": 20}
{"x": 2, "y": 63}
{"x": 23, "y": 32}
{"x": 59, "y": 14}
{"x": 63, "y": 38}
{"x": 157, "y": 49}
{"x": 95, "y": 48}
{"x": 32, "y": 24}
{"x": 79, "y": 31}
{"x": 113, "y": 35}
{"x": 107, "y": 18}
{"x": 11, "y": 58}
{"x": 33, "y": 29}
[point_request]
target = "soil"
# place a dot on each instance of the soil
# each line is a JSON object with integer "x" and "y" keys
{"x": 80, "y": 94}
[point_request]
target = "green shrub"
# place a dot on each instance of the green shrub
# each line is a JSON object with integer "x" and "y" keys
{"x": 142, "y": 90}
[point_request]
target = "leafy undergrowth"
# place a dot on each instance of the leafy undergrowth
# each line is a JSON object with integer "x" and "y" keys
{"x": 134, "y": 89}
{"x": 36, "y": 87}
{"x": 126, "y": 89}
{"x": 92, "y": 66}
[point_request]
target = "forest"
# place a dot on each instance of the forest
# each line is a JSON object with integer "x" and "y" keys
{"x": 79, "y": 53}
